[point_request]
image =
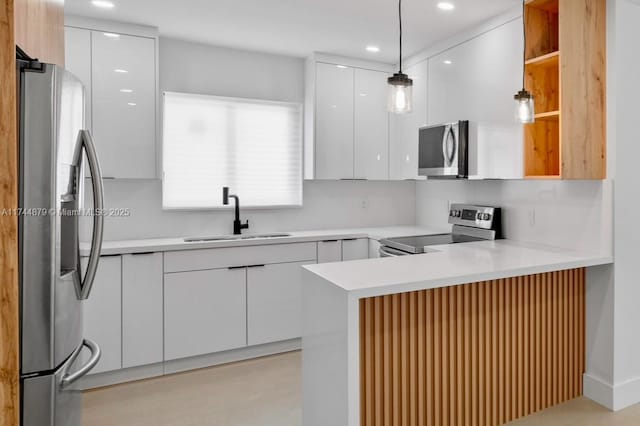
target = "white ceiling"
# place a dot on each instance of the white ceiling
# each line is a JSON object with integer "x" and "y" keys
{"x": 299, "y": 27}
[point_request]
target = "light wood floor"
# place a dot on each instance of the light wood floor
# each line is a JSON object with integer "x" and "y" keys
{"x": 266, "y": 392}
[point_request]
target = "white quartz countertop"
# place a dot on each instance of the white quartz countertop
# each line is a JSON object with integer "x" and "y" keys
{"x": 170, "y": 244}
{"x": 451, "y": 264}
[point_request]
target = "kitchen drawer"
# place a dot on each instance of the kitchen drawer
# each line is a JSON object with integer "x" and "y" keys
{"x": 355, "y": 249}
{"x": 329, "y": 251}
{"x": 194, "y": 260}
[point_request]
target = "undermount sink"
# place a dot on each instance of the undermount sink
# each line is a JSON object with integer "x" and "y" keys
{"x": 234, "y": 237}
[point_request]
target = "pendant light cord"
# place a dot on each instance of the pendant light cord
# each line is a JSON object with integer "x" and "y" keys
{"x": 400, "y": 21}
{"x": 524, "y": 44}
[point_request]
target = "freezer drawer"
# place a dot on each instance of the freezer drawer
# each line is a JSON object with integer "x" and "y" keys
{"x": 52, "y": 399}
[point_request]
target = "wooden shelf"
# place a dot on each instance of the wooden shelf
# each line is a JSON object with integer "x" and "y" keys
{"x": 550, "y": 59}
{"x": 573, "y": 147}
{"x": 551, "y": 115}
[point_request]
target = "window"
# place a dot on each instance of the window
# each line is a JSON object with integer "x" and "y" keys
{"x": 254, "y": 147}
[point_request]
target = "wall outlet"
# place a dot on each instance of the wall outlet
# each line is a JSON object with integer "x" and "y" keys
{"x": 364, "y": 204}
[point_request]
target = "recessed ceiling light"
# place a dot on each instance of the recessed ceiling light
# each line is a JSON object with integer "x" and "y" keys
{"x": 126, "y": 90}
{"x": 120, "y": 71}
{"x": 340, "y": 66}
{"x": 363, "y": 94}
{"x": 132, "y": 103}
{"x": 444, "y": 5}
{"x": 373, "y": 49}
{"x": 447, "y": 62}
{"x": 104, "y": 4}
{"x": 111, "y": 35}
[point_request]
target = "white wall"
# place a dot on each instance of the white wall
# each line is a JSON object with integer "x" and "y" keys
{"x": 198, "y": 68}
{"x": 623, "y": 121}
{"x": 327, "y": 204}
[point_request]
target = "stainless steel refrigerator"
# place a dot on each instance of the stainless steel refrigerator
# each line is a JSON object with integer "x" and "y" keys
{"x": 53, "y": 147}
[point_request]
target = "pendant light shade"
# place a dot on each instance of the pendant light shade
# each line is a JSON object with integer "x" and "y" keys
{"x": 524, "y": 109}
{"x": 400, "y": 94}
{"x": 400, "y": 99}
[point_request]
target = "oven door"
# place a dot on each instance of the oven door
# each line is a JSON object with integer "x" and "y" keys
{"x": 438, "y": 150}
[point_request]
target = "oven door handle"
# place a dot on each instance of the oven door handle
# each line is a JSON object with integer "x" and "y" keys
{"x": 389, "y": 252}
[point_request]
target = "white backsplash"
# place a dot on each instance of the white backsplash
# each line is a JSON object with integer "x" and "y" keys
{"x": 327, "y": 204}
{"x": 571, "y": 214}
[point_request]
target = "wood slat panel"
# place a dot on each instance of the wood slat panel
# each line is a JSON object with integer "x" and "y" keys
{"x": 476, "y": 354}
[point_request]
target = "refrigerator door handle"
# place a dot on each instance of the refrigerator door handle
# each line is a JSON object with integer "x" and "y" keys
{"x": 84, "y": 285}
{"x": 69, "y": 378}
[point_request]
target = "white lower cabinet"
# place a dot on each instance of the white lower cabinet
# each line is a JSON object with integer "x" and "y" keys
{"x": 329, "y": 251}
{"x": 103, "y": 313}
{"x": 355, "y": 249}
{"x": 274, "y": 302}
{"x": 142, "y": 341}
{"x": 204, "y": 312}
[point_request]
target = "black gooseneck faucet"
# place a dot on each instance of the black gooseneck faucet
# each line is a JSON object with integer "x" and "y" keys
{"x": 238, "y": 226}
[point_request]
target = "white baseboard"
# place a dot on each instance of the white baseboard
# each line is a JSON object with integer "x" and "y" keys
{"x": 597, "y": 390}
{"x": 124, "y": 375}
{"x": 612, "y": 397}
{"x": 626, "y": 393}
{"x": 210, "y": 360}
{"x": 115, "y": 377}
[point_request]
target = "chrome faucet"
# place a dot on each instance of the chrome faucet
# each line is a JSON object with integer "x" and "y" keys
{"x": 238, "y": 226}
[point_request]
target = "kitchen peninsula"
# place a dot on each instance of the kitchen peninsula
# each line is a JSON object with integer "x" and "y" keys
{"x": 484, "y": 332}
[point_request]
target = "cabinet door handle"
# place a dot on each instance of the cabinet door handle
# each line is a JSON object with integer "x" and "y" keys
{"x": 142, "y": 253}
{"x": 255, "y": 266}
{"x": 329, "y": 241}
{"x": 350, "y": 239}
{"x": 236, "y": 267}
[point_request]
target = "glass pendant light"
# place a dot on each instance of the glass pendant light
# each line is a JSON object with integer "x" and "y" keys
{"x": 400, "y": 99}
{"x": 525, "y": 110}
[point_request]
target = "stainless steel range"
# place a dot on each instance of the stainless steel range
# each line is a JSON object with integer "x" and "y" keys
{"x": 470, "y": 223}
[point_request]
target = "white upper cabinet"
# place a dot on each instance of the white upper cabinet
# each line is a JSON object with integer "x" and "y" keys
{"x": 334, "y": 125}
{"x": 124, "y": 104}
{"x": 371, "y": 125}
{"x": 119, "y": 72}
{"x": 476, "y": 81}
{"x": 346, "y": 121}
{"x": 77, "y": 45}
{"x": 403, "y": 142}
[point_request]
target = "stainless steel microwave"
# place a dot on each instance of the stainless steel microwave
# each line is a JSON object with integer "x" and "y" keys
{"x": 443, "y": 150}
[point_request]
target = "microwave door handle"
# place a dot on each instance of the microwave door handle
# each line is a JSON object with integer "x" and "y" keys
{"x": 85, "y": 284}
{"x": 448, "y": 146}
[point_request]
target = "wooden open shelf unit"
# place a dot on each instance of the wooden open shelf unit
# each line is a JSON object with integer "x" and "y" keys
{"x": 565, "y": 72}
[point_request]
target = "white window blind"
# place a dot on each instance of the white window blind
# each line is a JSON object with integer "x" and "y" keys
{"x": 254, "y": 147}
